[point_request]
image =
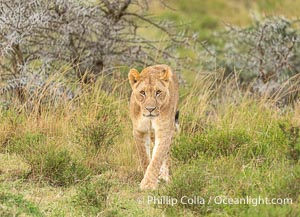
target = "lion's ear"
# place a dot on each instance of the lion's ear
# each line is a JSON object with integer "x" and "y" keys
{"x": 166, "y": 74}
{"x": 133, "y": 76}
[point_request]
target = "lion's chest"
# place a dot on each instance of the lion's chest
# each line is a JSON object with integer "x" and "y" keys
{"x": 147, "y": 125}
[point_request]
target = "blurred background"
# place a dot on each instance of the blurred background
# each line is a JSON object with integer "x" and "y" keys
{"x": 81, "y": 41}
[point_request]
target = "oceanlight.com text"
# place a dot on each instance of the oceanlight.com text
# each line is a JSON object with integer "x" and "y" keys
{"x": 218, "y": 200}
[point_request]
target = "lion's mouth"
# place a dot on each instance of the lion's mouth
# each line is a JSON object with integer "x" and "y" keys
{"x": 150, "y": 115}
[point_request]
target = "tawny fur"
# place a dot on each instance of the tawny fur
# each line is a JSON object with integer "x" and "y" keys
{"x": 153, "y": 106}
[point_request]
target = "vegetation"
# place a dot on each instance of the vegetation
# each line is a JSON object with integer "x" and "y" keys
{"x": 75, "y": 156}
{"x": 242, "y": 148}
{"x": 17, "y": 205}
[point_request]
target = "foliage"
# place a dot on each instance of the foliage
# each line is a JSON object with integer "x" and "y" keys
{"x": 264, "y": 55}
{"x": 214, "y": 143}
{"x": 101, "y": 133}
{"x": 82, "y": 41}
{"x": 245, "y": 145}
{"x": 16, "y": 205}
{"x": 79, "y": 158}
{"x": 267, "y": 49}
{"x": 34, "y": 91}
{"x": 43, "y": 35}
{"x": 46, "y": 163}
{"x": 205, "y": 179}
{"x": 98, "y": 130}
{"x": 292, "y": 135}
{"x": 92, "y": 197}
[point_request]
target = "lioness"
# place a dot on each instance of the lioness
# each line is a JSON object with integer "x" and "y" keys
{"x": 153, "y": 107}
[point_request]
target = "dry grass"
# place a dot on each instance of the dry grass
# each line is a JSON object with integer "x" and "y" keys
{"x": 210, "y": 105}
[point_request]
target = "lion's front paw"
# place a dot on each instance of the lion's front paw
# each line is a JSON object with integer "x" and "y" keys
{"x": 164, "y": 177}
{"x": 148, "y": 185}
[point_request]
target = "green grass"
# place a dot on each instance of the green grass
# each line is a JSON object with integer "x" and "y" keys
{"x": 231, "y": 145}
{"x": 92, "y": 196}
{"x": 16, "y": 205}
{"x": 80, "y": 159}
{"x": 47, "y": 163}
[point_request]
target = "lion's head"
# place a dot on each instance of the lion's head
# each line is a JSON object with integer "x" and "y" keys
{"x": 150, "y": 88}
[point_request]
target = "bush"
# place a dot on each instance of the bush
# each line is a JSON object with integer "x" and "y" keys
{"x": 207, "y": 178}
{"x": 260, "y": 145}
{"x": 46, "y": 162}
{"x": 98, "y": 135}
{"x": 92, "y": 197}
{"x": 292, "y": 135}
{"x": 88, "y": 38}
{"x": 264, "y": 50}
{"x": 264, "y": 55}
{"x": 60, "y": 169}
{"x": 97, "y": 132}
{"x": 204, "y": 178}
{"x": 214, "y": 143}
{"x": 97, "y": 138}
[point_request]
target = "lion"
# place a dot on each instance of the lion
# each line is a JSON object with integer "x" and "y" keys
{"x": 154, "y": 115}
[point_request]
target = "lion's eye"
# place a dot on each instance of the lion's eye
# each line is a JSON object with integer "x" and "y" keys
{"x": 158, "y": 92}
{"x": 143, "y": 93}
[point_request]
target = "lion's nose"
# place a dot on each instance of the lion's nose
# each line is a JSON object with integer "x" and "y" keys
{"x": 150, "y": 108}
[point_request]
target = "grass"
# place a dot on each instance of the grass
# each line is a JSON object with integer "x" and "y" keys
{"x": 15, "y": 205}
{"x": 93, "y": 196}
{"x": 81, "y": 160}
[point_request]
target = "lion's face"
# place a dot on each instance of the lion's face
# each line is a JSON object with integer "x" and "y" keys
{"x": 150, "y": 97}
{"x": 150, "y": 89}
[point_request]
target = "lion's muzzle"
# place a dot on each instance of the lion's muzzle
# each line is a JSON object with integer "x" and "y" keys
{"x": 152, "y": 112}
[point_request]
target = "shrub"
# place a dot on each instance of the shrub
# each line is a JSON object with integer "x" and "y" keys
{"x": 98, "y": 135}
{"x": 46, "y": 162}
{"x": 92, "y": 196}
{"x": 38, "y": 37}
{"x": 264, "y": 56}
{"x": 29, "y": 142}
{"x": 292, "y": 135}
{"x": 214, "y": 143}
{"x": 97, "y": 132}
{"x": 260, "y": 145}
{"x": 265, "y": 50}
{"x": 202, "y": 178}
{"x": 229, "y": 178}
{"x": 60, "y": 169}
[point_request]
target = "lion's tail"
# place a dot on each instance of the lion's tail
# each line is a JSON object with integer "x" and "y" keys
{"x": 177, "y": 122}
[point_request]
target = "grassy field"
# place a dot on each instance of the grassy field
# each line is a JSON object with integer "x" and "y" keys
{"x": 79, "y": 159}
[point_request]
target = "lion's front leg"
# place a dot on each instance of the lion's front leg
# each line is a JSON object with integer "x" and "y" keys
{"x": 160, "y": 154}
{"x": 164, "y": 170}
{"x": 142, "y": 141}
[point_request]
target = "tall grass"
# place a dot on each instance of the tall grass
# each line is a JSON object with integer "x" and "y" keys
{"x": 232, "y": 143}
{"x": 235, "y": 144}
